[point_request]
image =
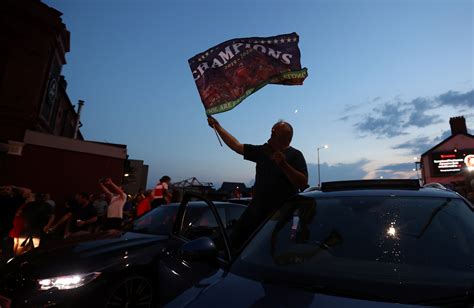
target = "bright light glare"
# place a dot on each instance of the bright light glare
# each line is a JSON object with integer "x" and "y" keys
{"x": 391, "y": 231}
{"x": 67, "y": 282}
{"x": 326, "y": 146}
{"x": 296, "y": 110}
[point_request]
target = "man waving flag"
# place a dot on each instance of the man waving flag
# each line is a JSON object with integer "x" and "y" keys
{"x": 229, "y": 72}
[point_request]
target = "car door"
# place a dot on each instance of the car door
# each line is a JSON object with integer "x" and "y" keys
{"x": 177, "y": 274}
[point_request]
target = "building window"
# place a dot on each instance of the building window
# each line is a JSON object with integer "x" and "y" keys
{"x": 51, "y": 96}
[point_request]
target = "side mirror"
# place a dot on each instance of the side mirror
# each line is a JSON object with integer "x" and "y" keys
{"x": 201, "y": 249}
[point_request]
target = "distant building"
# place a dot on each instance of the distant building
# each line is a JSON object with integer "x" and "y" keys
{"x": 193, "y": 185}
{"x": 136, "y": 177}
{"x": 233, "y": 189}
{"x": 445, "y": 163}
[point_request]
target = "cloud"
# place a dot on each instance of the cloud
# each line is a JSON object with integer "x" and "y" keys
{"x": 443, "y": 136}
{"x": 416, "y": 146}
{"x": 403, "y": 167}
{"x": 422, "y": 144}
{"x": 337, "y": 172}
{"x": 387, "y": 122}
{"x": 397, "y": 171}
{"x": 456, "y": 99}
{"x": 345, "y": 118}
{"x": 394, "y": 118}
{"x": 418, "y": 116}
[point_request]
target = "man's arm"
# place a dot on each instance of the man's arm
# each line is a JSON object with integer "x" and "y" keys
{"x": 105, "y": 190}
{"x": 88, "y": 221}
{"x": 230, "y": 140}
{"x": 115, "y": 188}
{"x": 298, "y": 178}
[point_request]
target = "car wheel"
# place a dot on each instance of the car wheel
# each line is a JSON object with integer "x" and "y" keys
{"x": 134, "y": 291}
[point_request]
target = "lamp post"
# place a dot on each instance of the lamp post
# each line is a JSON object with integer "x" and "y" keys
{"x": 319, "y": 172}
{"x": 417, "y": 167}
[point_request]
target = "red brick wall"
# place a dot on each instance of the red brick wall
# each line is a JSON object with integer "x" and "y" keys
{"x": 60, "y": 172}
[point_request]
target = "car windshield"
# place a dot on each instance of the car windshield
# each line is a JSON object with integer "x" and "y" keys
{"x": 390, "y": 245}
{"x": 160, "y": 220}
{"x": 157, "y": 222}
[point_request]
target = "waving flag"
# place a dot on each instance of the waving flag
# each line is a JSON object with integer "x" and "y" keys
{"x": 229, "y": 72}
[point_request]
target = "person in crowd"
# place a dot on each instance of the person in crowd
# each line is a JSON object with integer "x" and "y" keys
{"x": 70, "y": 206}
{"x": 11, "y": 222}
{"x": 117, "y": 200}
{"x": 39, "y": 216}
{"x": 145, "y": 205}
{"x": 82, "y": 219}
{"x": 50, "y": 201}
{"x": 100, "y": 205}
{"x": 160, "y": 193}
{"x": 281, "y": 172}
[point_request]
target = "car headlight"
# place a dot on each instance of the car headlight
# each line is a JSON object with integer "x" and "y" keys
{"x": 67, "y": 282}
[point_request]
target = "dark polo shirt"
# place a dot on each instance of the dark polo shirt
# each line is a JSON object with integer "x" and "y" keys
{"x": 272, "y": 186}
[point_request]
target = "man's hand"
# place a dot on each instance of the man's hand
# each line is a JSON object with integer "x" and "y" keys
{"x": 212, "y": 122}
{"x": 279, "y": 158}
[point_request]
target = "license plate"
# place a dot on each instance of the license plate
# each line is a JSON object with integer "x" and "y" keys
{"x": 5, "y": 302}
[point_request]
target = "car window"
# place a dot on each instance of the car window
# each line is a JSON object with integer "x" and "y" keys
{"x": 233, "y": 214}
{"x": 207, "y": 219}
{"x": 203, "y": 225}
{"x": 378, "y": 239}
{"x": 157, "y": 222}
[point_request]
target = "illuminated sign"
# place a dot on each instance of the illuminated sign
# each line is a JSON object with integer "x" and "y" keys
{"x": 469, "y": 162}
{"x": 451, "y": 163}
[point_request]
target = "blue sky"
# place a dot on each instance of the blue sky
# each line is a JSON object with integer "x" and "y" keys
{"x": 384, "y": 78}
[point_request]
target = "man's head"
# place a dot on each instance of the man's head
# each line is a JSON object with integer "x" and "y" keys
{"x": 282, "y": 133}
{"x": 82, "y": 198}
{"x": 165, "y": 179}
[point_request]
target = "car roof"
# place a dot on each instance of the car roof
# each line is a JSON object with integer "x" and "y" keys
{"x": 203, "y": 204}
{"x": 408, "y": 188}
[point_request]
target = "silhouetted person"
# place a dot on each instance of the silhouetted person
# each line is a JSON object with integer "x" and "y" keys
{"x": 281, "y": 172}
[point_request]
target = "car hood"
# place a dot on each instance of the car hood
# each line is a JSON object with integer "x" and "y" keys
{"x": 88, "y": 253}
{"x": 218, "y": 289}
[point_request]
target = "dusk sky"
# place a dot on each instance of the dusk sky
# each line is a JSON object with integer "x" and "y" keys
{"x": 384, "y": 78}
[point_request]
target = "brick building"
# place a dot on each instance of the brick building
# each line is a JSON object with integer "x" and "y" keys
{"x": 41, "y": 146}
{"x": 446, "y": 162}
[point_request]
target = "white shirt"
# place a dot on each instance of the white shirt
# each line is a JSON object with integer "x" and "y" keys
{"x": 115, "y": 209}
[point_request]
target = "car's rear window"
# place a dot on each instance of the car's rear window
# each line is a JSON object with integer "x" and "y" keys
{"x": 389, "y": 239}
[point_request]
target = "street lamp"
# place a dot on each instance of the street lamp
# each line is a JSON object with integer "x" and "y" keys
{"x": 417, "y": 167}
{"x": 319, "y": 172}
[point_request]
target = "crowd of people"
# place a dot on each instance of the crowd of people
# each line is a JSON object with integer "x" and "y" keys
{"x": 29, "y": 218}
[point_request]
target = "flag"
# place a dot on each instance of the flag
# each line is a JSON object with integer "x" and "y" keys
{"x": 228, "y": 73}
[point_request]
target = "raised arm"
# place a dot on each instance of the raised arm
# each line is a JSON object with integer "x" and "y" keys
{"x": 115, "y": 188}
{"x": 105, "y": 190}
{"x": 230, "y": 140}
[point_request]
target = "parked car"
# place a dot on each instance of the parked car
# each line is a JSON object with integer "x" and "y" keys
{"x": 243, "y": 200}
{"x": 144, "y": 266}
{"x": 382, "y": 243}
{"x": 439, "y": 186}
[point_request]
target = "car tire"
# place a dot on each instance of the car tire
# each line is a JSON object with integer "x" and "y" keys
{"x": 131, "y": 291}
